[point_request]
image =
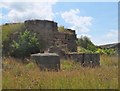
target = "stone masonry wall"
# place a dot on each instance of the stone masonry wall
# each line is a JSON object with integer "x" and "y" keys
{"x": 47, "y": 34}
{"x": 47, "y": 31}
{"x": 44, "y": 29}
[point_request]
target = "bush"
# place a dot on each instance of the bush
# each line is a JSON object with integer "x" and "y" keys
{"x": 106, "y": 51}
{"x": 86, "y": 44}
{"x": 83, "y": 50}
{"x": 26, "y": 45}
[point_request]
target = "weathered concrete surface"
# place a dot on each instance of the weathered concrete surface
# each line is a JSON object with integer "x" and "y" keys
{"x": 91, "y": 59}
{"x": 86, "y": 59}
{"x": 75, "y": 56}
{"x": 49, "y": 61}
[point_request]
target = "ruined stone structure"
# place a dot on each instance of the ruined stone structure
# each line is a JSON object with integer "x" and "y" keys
{"x": 56, "y": 42}
{"x": 86, "y": 59}
{"x": 47, "y": 32}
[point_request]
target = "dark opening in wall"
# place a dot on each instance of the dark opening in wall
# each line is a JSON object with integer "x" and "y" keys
{"x": 65, "y": 36}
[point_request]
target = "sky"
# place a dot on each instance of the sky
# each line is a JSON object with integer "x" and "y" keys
{"x": 97, "y": 20}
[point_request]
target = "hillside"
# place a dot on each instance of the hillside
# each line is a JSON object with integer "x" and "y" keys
{"x": 114, "y": 45}
{"x": 11, "y": 28}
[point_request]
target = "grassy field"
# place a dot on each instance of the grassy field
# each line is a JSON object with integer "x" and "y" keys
{"x": 9, "y": 29}
{"x": 17, "y": 75}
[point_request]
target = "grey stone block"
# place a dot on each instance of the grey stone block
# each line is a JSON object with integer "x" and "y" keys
{"x": 49, "y": 61}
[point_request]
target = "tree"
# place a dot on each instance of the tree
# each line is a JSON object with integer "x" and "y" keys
{"x": 26, "y": 45}
{"x": 86, "y": 43}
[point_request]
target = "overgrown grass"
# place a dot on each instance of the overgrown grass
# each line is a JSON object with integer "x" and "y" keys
{"x": 71, "y": 76}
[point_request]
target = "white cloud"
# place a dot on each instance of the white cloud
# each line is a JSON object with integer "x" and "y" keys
{"x": 112, "y": 33}
{"x": 0, "y": 16}
{"x": 108, "y": 38}
{"x": 78, "y": 23}
{"x": 112, "y": 36}
{"x": 22, "y": 11}
{"x": 29, "y": 1}
{"x": 84, "y": 34}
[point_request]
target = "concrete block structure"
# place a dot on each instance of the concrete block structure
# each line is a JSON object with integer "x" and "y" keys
{"x": 47, "y": 61}
{"x": 90, "y": 58}
{"x": 86, "y": 59}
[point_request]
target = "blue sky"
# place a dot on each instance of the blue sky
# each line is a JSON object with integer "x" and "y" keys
{"x": 97, "y": 20}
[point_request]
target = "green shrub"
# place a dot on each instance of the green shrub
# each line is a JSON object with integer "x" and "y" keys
{"x": 106, "y": 51}
{"x": 26, "y": 45}
{"x": 83, "y": 50}
{"x": 8, "y": 32}
{"x": 86, "y": 44}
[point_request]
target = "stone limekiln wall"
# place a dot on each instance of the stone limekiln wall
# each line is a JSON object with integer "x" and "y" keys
{"x": 47, "y": 32}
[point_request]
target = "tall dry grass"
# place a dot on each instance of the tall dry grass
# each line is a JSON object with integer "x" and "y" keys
{"x": 17, "y": 75}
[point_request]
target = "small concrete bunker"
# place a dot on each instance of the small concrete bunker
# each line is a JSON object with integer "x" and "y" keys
{"x": 86, "y": 59}
{"x": 47, "y": 61}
